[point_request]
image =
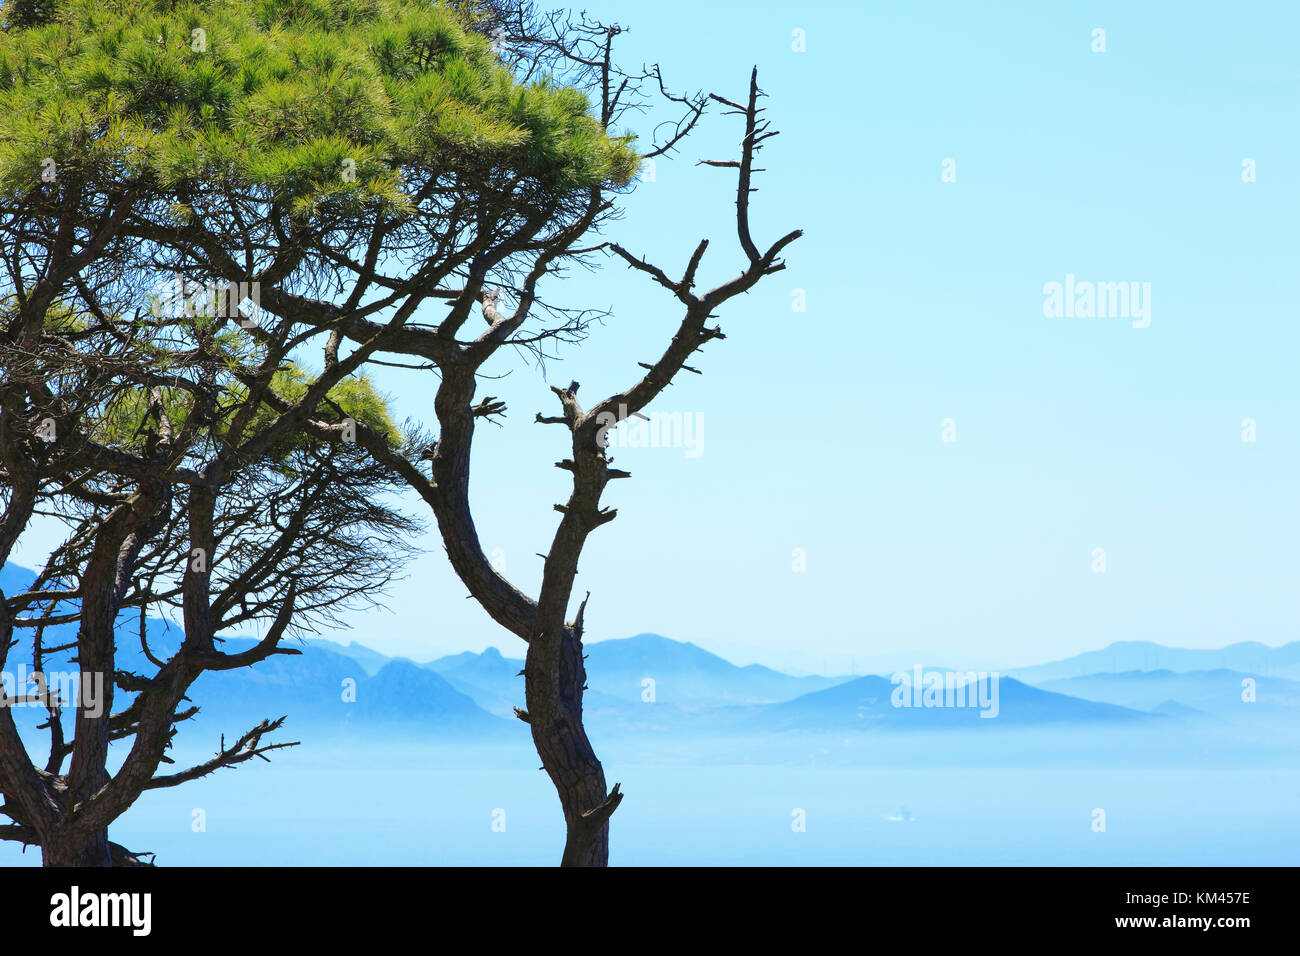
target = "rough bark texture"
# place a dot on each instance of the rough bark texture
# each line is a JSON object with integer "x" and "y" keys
{"x": 555, "y": 711}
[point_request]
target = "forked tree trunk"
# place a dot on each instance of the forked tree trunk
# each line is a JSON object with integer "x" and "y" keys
{"x": 554, "y": 673}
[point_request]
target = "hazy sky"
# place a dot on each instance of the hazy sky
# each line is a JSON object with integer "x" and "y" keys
{"x": 823, "y": 430}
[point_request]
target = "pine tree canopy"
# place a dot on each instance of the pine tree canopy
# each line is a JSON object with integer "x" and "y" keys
{"x": 304, "y": 103}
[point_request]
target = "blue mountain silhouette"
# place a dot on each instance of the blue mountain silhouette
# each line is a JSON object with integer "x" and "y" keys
{"x": 682, "y": 673}
{"x": 867, "y": 704}
{"x": 1250, "y": 657}
{"x": 317, "y": 689}
{"x": 1222, "y": 692}
{"x": 650, "y": 683}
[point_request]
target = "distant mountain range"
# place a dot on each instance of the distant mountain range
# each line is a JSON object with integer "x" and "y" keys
{"x": 644, "y": 667}
{"x": 694, "y": 691}
{"x": 1250, "y": 657}
{"x": 316, "y": 688}
{"x": 650, "y": 684}
{"x": 327, "y": 689}
{"x": 371, "y": 661}
{"x": 867, "y": 704}
{"x": 490, "y": 678}
{"x": 1223, "y": 693}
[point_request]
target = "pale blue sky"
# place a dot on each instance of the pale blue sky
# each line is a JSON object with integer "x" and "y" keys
{"x": 822, "y": 429}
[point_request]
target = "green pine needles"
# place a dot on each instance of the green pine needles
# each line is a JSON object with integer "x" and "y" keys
{"x": 304, "y": 102}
